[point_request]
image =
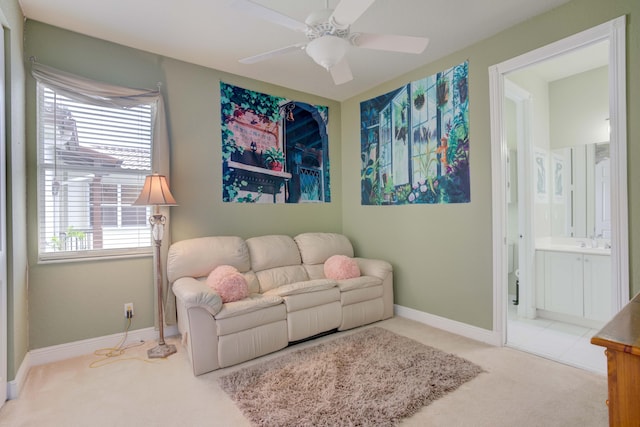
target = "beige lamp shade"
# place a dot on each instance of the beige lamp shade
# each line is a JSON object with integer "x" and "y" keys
{"x": 155, "y": 192}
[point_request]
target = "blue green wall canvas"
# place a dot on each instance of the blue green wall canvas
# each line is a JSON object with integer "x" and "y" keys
{"x": 415, "y": 142}
{"x": 274, "y": 150}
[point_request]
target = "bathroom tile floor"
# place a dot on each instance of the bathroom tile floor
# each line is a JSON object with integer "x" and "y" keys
{"x": 562, "y": 342}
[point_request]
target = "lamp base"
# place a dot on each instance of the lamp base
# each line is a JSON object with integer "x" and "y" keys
{"x": 161, "y": 351}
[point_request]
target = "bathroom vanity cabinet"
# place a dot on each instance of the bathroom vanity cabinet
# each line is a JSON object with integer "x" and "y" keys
{"x": 574, "y": 284}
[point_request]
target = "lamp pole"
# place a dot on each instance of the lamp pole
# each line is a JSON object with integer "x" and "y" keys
{"x": 155, "y": 192}
{"x": 157, "y": 222}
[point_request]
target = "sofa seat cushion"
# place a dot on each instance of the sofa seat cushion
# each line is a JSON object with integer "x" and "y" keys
{"x": 312, "y": 300}
{"x": 253, "y": 302}
{"x": 358, "y": 295}
{"x": 302, "y": 287}
{"x": 252, "y": 319}
{"x": 358, "y": 283}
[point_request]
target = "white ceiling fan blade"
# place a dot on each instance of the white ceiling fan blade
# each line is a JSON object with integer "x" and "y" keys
{"x": 405, "y": 44}
{"x": 341, "y": 72}
{"x": 267, "y": 14}
{"x": 347, "y": 11}
{"x": 272, "y": 53}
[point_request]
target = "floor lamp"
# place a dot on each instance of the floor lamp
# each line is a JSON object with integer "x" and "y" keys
{"x": 155, "y": 192}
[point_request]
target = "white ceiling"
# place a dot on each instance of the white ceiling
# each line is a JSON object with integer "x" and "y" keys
{"x": 213, "y": 34}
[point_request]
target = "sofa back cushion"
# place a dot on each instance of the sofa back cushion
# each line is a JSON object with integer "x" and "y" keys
{"x": 272, "y": 251}
{"x": 279, "y": 276}
{"x": 276, "y": 261}
{"x": 316, "y": 248}
{"x": 198, "y": 257}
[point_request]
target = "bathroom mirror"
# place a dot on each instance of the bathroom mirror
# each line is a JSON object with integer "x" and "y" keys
{"x": 580, "y": 191}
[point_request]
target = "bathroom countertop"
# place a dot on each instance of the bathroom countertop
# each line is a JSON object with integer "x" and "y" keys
{"x": 572, "y": 248}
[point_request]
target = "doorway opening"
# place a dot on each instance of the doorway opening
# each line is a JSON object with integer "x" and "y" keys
{"x": 550, "y": 250}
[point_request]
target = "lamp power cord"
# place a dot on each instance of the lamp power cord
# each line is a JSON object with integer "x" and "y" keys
{"x": 108, "y": 355}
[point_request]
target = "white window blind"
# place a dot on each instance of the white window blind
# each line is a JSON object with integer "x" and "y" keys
{"x": 92, "y": 162}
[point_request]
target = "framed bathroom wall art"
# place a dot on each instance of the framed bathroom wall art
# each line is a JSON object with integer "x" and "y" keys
{"x": 415, "y": 142}
{"x": 559, "y": 177}
{"x": 541, "y": 164}
{"x": 274, "y": 150}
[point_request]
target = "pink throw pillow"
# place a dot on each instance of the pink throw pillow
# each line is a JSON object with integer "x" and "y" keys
{"x": 228, "y": 283}
{"x": 340, "y": 267}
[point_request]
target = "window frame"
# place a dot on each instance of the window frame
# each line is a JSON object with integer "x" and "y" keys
{"x": 143, "y": 244}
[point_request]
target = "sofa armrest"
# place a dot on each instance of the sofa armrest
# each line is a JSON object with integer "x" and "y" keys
{"x": 374, "y": 267}
{"x": 194, "y": 293}
{"x": 384, "y": 271}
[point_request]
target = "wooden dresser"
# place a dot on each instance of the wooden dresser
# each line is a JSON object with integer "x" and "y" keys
{"x": 621, "y": 337}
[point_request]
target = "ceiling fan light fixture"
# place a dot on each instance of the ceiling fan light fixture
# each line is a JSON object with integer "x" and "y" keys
{"x": 327, "y": 51}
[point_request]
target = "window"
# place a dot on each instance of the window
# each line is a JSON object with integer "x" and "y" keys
{"x": 425, "y": 131}
{"x": 116, "y": 206}
{"x": 92, "y": 162}
{"x": 385, "y": 149}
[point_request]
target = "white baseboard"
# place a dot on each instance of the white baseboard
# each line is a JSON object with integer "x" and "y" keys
{"x": 41, "y": 356}
{"x": 59, "y": 352}
{"x": 15, "y": 386}
{"x": 453, "y": 326}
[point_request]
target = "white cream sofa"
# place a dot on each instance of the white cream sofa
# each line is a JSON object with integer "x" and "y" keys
{"x": 289, "y": 297}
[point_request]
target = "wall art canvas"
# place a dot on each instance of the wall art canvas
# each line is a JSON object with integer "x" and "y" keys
{"x": 541, "y": 159}
{"x": 559, "y": 177}
{"x": 274, "y": 150}
{"x": 415, "y": 142}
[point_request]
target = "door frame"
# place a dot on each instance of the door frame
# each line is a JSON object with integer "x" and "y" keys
{"x": 613, "y": 31}
{"x": 526, "y": 246}
{"x": 4, "y": 329}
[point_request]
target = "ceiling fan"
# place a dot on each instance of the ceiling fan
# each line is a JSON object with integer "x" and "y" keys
{"x": 329, "y": 35}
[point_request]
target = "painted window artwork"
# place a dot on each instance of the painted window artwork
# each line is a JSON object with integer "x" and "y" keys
{"x": 415, "y": 142}
{"x": 274, "y": 150}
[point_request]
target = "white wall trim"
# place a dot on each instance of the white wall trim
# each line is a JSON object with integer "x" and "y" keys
{"x": 453, "y": 326}
{"x": 59, "y": 352}
{"x": 55, "y": 353}
{"x": 15, "y": 387}
{"x": 498, "y": 202}
{"x": 618, "y": 126}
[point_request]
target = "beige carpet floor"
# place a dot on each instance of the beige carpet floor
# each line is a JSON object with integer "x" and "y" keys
{"x": 516, "y": 389}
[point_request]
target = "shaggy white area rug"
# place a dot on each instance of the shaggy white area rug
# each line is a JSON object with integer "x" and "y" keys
{"x": 369, "y": 378}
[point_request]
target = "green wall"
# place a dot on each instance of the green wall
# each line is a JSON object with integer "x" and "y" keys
{"x": 579, "y": 109}
{"x": 79, "y": 300}
{"x": 193, "y": 107}
{"x": 442, "y": 254}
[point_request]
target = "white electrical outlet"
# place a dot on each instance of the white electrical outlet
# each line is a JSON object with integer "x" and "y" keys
{"x": 128, "y": 310}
